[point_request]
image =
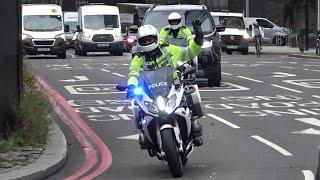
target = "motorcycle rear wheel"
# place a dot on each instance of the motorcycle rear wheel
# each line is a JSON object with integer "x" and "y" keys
{"x": 172, "y": 155}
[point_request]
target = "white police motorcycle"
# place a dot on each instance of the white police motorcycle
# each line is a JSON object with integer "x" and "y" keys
{"x": 165, "y": 113}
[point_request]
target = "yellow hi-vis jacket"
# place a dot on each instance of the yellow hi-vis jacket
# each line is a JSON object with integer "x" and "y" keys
{"x": 171, "y": 55}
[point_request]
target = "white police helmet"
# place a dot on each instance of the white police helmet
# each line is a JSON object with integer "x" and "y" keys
{"x": 147, "y": 38}
{"x": 175, "y": 20}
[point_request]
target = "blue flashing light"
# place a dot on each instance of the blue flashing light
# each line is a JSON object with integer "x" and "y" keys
{"x": 138, "y": 91}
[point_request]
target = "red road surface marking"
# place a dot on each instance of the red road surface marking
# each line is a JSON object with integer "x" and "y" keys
{"x": 106, "y": 157}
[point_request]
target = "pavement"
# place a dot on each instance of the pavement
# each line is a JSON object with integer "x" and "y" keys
{"x": 262, "y": 123}
{"x": 52, "y": 158}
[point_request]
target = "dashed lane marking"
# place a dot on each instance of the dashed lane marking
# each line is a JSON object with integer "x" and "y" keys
{"x": 272, "y": 145}
{"x": 105, "y": 70}
{"x": 117, "y": 74}
{"x": 293, "y": 90}
{"x": 308, "y": 174}
{"x": 223, "y": 121}
{"x": 250, "y": 79}
{"x": 316, "y": 96}
{"x": 228, "y": 74}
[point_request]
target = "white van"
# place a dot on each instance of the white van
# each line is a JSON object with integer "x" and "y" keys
{"x": 272, "y": 32}
{"x": 71, "y": 20}
{"x": 99, "y": 30}
{"x": 43, "y": 30}
{"x": 235, "y": 37}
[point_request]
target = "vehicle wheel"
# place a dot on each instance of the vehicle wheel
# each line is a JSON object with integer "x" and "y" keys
{"x": 62, "y": 55}
{"x": 229, "y": 52}
{"x": 245, "y": 51}
{"x": 172, "y": 155}
{"x": 214, "y": 76}
{"x": 117, "y": 53}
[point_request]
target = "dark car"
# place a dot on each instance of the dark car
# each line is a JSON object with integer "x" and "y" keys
{"x": 208, "y": 62}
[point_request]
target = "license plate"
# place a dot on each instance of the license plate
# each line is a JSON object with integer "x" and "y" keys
{"x": 103, "y": 45}
{"x": 44, "y": 49}
{"x": 232, "y": 47}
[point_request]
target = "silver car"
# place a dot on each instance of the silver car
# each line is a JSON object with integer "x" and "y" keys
{"x": 272, "y": 32}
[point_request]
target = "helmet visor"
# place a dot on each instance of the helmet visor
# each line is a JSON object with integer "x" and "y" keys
{"x": 174, "y": 21}
{"x": 147, "y": 40}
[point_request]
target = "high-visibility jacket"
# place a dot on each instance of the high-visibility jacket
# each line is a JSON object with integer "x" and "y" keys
{"x": 182, "y": 39}
{"x": 171, "y": 55}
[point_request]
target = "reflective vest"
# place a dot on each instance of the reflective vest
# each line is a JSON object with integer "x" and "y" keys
{"x": 182, "y": 39}
{"x": 171, "y": 55}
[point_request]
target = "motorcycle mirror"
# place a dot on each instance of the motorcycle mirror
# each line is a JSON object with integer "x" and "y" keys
{"x": 121, "y": 87}
{"x": 189, "y": 70}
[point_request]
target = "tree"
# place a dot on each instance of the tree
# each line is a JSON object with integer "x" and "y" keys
{"x": 289, "y": 8}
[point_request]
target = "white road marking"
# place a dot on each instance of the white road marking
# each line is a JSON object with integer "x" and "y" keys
{"x": 288, "y": 67}
{"x": 223, "y": 121}
{"x": 271, "y": 144}
{"x": 316, "y": 96}
{"x": 308, "y": 174}
{"x": 311, "y": 121}
{"x": 105, "y": 70}
{"x": 293, "y": 90}
{"x": 307, "y": 83}
{"x": 77, "y": 79}
{"x": 309, "y": 131}
{"x": 282, "y": 74}
{"x": 243, "y": 77}
{"x": 131, "y": 137}
{"x": 234, "y": 87}
{"x": 308, "y": 111}
{"x": 93, "y": 89}
{"x": 125, "y": 64}
{"x": 228, "y": 74}
{"x": 71, "y": 55}
{"x": 117, "y": 74}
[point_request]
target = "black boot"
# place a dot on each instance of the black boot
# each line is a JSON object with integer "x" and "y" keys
{"x": 143, "y": 141}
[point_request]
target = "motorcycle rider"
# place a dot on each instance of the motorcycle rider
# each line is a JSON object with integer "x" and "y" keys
{"x": 153, "y": 55}
{"x": 175, "y": 33}
{"x": 257, "y": 33}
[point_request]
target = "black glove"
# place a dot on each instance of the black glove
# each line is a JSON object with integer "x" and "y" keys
{"x": 198, "y": 32}
{"x": 130, "y": 91}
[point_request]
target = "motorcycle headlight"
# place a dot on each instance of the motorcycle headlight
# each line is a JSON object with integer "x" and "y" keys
{"x": 25, "y": 36}
{"x": 246, "y": 36}
{"x": 206, "y": 44}
{"x": 171, "y": 104}
{"x": 161, "y": 103}
{"x": 151, "y": 107}
{"x": 62, "y": 36}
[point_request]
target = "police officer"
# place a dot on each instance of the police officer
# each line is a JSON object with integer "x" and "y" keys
{"x": 175, "y": 33}
{"x": 155, "y": 55}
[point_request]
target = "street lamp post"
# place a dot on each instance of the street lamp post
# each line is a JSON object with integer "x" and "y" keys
{"x": 247, "y": 8}
{"x": 307, "y": 24}
{"x": 318, "y": 15}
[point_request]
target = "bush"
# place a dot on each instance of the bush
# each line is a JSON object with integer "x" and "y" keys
{"x": 31, "y": 116}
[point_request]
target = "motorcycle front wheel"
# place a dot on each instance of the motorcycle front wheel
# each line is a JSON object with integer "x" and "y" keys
{"x": 172, "y": 155}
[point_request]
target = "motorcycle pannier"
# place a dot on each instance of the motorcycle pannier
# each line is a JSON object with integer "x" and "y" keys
{"x": 194, "y": 101}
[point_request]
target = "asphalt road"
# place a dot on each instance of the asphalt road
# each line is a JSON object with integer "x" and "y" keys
{"x": 263, "y": 123}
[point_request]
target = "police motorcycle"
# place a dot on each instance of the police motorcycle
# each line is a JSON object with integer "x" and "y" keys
{"x": 164, "y": 111}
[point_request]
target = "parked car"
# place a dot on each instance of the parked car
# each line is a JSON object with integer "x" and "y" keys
{"x": 235, "y": 37}
{"x": 208, "y": 62}
{"x": 43, "y": 31}
{"x": 99, "y": 30}
{"x": 271, "y": 30}
{"x": 71, "y": 19}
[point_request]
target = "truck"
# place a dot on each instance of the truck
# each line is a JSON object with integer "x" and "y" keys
{"x": 43, "y": 31}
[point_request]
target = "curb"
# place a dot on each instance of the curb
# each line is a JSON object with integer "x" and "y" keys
{"x": 51, "y": 160}
{"x": 304, "y": 56}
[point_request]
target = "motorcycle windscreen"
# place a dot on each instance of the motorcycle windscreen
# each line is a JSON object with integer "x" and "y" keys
{"x": 157, "y": 82}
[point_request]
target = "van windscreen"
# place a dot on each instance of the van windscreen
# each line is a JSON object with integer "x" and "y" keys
{"x": 101, "y": 21}
{"x": 42, "y": 23}
{"x": 229, "y": 21}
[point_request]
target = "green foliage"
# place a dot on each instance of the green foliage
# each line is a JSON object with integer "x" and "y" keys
{"x": 32, "y": 122}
